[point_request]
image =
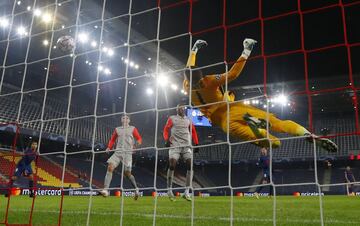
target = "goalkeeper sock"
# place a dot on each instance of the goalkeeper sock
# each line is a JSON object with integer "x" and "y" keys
{"x": 108, "y": 179}
{"x": 132, "y": 180}
{"x": 246, "y": 53}
{"x": 192, "y": 59}
{"x": 170, "y": 176}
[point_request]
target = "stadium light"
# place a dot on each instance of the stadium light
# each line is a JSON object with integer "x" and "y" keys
{"x": 100, "y": 68}
{"x": 83, "y": 37}
{"x": 93, "y": 44}
{"x": 149, "y": 58}
{"x": 132, "y": 64}
{"x": 22, "y": 31}
{"x": 149, "y": 91}
{"x": 136, "y": 66}
{"x": 45, "y": 42}
{"x": 110, "y": 52}
{"x": 183, "y": 92}
{"x": 37, "y": 12}
{"x": 18, "y": 3}
{"x": 280, "y": 99}
{"x": 162, "y": 80}
{"x": 107, "y": 71}
{"x": 126, "y": 61}
{"x": 4, "y": 22}
{"x": 28, "y": 8}
{"x": 46, "y": 18}
{"x": 105, "y": 49}
{"x": 174, "y": 87}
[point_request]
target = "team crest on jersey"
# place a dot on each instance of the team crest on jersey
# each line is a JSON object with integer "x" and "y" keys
{"x": 218, "y": 77}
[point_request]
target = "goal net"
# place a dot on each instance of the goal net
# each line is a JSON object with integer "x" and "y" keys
{"x": 130, "y": 57}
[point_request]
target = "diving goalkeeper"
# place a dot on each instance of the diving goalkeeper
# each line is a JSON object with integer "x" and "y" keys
{"x": 245, "y": 122}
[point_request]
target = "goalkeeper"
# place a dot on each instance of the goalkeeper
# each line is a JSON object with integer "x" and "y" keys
{"x": 245, "y": 122}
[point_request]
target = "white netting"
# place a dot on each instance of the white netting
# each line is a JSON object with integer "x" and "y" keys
{"x": 129, "y": 57}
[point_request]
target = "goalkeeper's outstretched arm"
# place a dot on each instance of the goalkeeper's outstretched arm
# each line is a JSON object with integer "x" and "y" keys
{"x": 236, "y": 69}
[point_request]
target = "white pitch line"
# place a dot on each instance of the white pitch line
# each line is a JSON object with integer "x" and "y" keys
{"x": 240, "y": 219}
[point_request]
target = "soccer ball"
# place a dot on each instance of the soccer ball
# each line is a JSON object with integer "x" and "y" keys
{"x": 65, "y": 43}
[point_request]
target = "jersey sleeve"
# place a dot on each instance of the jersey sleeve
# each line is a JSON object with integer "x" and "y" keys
{"x": 232, "y": 74}
{"x": 167, "y": 127}
{"x": 137, "y": 136}
{"x": 112, "y": 139}
{"x": 194, "y": 134}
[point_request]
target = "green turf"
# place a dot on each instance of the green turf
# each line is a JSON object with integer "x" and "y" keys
{"x": 338, "y": 210}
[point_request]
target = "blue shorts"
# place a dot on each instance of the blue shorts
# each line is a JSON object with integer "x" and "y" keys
{"x": 23, "y": 169}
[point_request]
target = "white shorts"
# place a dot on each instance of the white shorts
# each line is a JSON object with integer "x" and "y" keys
{"x": 120, "y": 156}
{"x": 185, "y": 152}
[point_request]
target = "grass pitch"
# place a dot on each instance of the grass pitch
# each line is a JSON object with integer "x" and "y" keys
{"x": 338, "y": 210}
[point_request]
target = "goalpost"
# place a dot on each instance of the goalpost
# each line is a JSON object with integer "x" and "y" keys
{"x": 51, "y": 96}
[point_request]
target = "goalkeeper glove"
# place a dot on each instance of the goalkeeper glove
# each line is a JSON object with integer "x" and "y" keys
{"x": 198, "y": 45}
{"x": 249, "y": 43}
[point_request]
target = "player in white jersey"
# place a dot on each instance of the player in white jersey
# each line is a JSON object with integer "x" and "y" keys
{"x": 124, "y": 136}
{"x": 179, "y": 142}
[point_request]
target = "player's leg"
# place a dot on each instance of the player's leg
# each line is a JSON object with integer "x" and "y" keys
{"x": 31, "y": 186}
{"x": 239, "y": 128}
{"x": 113, "y": 162}
{"x": 127, "y": 161}
{"x": 271, "y": 189}
{"x": 128, "y": 174}
{"x": 278, "y": 125}
{"x": 187, "y": 155}
{"x": 350, "y": 189}
{"x": 293, "y": 128}
{"x": 174, "y": 154}
{"x": 248, "y": 133}
{"x": 29, "y": 173}
{"x": 260, "y": 188}
{"x": 18, "y": 172}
